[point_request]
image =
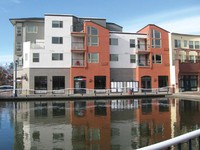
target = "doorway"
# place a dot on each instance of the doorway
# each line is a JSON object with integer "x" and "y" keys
{"x": 146, "y": 84}
{"x": 79, "y": 84}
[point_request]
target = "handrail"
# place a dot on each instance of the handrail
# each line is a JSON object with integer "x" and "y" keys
{"x": 174, "y": 141}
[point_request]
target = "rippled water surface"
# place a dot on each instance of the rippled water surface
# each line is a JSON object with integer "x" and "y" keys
{"x": 94, "y": 125}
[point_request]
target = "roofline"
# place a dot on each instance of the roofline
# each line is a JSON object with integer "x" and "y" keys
{"x": 114, "y": 24}
{"x": 117, "y": 32}
{"x": 153, "y": 25}
{"x": 14, "y": 20}
{"x": 196, "y": 35}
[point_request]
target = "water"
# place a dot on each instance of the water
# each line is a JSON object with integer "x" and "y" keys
{"x": 94, "y": 125}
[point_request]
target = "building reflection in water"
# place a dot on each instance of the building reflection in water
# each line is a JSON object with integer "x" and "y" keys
{"x": 102, "y": 124}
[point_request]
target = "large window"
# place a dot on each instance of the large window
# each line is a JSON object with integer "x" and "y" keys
{"x": 177, "y": 43}
{"x": 113, "y": 41}
{"x": 32, "y": 29}
{"x": 57, "y": 40}
{"x": 157, "y": 59}
{"x": 58, "y": 82}
{"x": 132, "y": 43}
{"x": 36, "y": 57}
{"x": 196, "y": 44}
{"x": 93, "y": 39}
{"x": 132, "y": 59}
{"x": 40, "y": 82}
{"x": 156, "y": 39}
{"x": 185, "y": 43}
{"x": 57, "y": 24}
{"x": 191, "y": 44}
{"x": 93, "y": 57}
{"x": 114, "y": 57}
{"x": 57, "y": 56}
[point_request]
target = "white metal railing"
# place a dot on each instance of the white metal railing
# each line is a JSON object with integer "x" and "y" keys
{"x": 188, "y": 137}
{"x": 85, "y": 91}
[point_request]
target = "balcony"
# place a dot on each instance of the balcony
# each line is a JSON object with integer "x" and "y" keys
{"x": 78, "y": 46}
{"x": 39, "y": 44}
{"x": 77, "y": 62}
{"x": 77, "y": 30}
{"x": 142, "y": 49}
{"x": 143, "y": 63}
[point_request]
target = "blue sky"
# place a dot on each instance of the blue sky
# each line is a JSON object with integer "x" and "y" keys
{"x": 182, "y": 16}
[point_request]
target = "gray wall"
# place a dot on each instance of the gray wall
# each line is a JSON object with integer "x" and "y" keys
{"x": 49, "y": 72}
{"x": 122, "y": 74}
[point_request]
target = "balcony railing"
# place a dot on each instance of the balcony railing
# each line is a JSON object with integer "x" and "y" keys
{"x": 141, "y": 47}
{"x": 77, "y": 28}
{"x": 78, "y": 46}
{"x": 39, "y": 45}
{"x": 77, "y": 62}
{"x": 143, "y": 63}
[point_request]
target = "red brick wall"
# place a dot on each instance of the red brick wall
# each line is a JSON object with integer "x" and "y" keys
{"x": 95, "y": 69}
{"x": 156, "y": 70}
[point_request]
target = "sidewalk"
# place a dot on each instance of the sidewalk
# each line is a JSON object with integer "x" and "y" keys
{"x": 194, "y": 95}
{"x": 44, "y": 97}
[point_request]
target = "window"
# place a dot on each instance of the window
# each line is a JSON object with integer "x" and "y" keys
{"x": 58, "y": 137}
{"x": 132, "y": 43}
{"x": 177, "y": 43}
{"x": 57, "y": 24}
{"x": 57, "y": 56}
{"x": 36, "y": 136}
{"x": 132, "y": 59}
{"x": 57, "y": 40}
{"x": 185, "y": 43}
{"x": 156, "y": 39}
{"x": 93, "y": 57}
{"x": 113, "y": 41}
{"x": 19, "y": 31}
{"x": 157, "y": 59}
{"x": 196, "y": 44}
{"x": 114, "y": 57}
{"x": 18, "y": 46}
{"x": 191, "y": 44}
{"x": 58, "y": 82}
{"x": 93, "y": 39}
{"x": 192, "y": 58}
{"x": 32, "y": 29}
{"x": 40, "y": 82}
{"x": 36, "y": 57}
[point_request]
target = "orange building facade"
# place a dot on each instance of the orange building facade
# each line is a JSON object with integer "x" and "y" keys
{"x": 156, "y": 71}
{"x": 90, "y": 61}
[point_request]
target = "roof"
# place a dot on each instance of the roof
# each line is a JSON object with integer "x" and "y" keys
{"x": 195, "y": 35}
{"x": 15, "y": 20}
{"x": 117, "y": 32}
{"x": 153, "y": 25}
{"x": 114, "y": 24}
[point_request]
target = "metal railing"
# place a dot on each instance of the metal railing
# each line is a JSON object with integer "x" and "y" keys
{"x": 143, "y": 63}
{"x": 85, "y": 91}
{"x": 177, "y": 141}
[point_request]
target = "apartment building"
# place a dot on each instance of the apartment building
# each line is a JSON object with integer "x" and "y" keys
{"x": 62, "y": 51}
{"x": 153, "y": 60}
{"x": 184, "y": 61}
{"x": 59, "y": 52}
{"x": 123, "y": 59}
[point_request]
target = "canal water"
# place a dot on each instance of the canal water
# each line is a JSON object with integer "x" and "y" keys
{"x": 94, "y": 125}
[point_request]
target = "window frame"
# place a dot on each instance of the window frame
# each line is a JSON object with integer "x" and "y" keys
{"x": 132, "y": 60}
{"x": 91, "y": 59}
{"x": 91, "y": 36}
{"x": 35, "y": 58}
{"x": 57, "y": 24}
{"x": 57, "y": 40}
{"x": 32, "y": 29}
{"x": 132, "y": 45}
{"x": 114, "y": 41}
{"x": 59, "y": 56}
{"x": 154, "y": 59}
{"x": 114, "y": 57}
{"x": 155, "y": 39}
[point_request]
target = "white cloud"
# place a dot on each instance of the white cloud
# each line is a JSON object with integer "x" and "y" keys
{"x": 181, "y": 21}
{"x": 188, "y": 25}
